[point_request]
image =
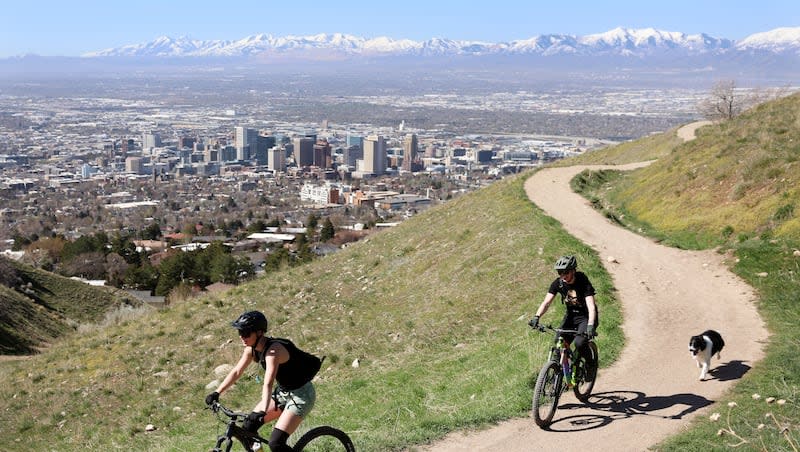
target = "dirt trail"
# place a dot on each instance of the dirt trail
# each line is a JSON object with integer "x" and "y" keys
{"x": 667, "y": 295}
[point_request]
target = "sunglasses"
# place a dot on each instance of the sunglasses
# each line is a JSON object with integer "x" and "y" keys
{"x": 245, "y": 333}
{"x": 563, "y": 272}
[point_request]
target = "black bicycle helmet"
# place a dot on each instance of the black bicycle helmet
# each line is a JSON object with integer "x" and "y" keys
{"x": 566, "y": 263}
{"x": 251, "y": 321}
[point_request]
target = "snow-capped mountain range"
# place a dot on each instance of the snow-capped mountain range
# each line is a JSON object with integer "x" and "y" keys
{"x": 618, "y": 42}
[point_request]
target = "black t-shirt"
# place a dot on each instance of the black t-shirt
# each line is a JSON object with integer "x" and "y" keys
{"x": 297, "y": 371}
{"x": 574, "y": 295}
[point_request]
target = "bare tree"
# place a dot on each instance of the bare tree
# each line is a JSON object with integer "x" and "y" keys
{"x": 722, "y": 103}
{"x": 725, "y": 101}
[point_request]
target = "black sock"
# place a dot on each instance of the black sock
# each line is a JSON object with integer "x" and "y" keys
{"x": 277, "y": 441}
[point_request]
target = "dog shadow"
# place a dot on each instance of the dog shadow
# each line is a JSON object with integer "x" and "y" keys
{"x": 617, "y": 405}
{"x": 732, "y": 370}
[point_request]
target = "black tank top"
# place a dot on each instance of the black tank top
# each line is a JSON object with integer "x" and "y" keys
{"x": 297, "y": 371}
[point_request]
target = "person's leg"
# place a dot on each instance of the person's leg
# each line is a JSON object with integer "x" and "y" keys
{"x": 580, "y": 341}
{"x": 298, "y": 403}
{"x": 286, "y": 425}
{"x": 277, "y": 440}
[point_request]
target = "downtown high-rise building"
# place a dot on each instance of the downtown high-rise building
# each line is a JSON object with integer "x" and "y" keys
{"x": 410, "y": 149}
{"x": 151, "y": 140}
{"x": 322, "y": 154}
{"x": 245, "y": 142}
{"x": 375, "y": 158}
{"x": 276, "y": 159}
{"x": 304, "y": 151}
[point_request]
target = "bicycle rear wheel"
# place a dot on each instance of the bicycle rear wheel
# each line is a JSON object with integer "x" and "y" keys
{"x": 325, "y": 438}
{"x": 589, "y": 375}
{"x": 546, "y": 394}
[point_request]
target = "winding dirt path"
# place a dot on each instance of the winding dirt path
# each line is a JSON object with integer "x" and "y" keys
{"x": 667, "y": 295}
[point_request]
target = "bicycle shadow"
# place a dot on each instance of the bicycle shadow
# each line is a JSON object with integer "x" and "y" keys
{"x": 625, "y": 404}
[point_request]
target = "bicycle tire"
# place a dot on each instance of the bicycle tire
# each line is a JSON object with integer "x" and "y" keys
{"x": 337, "y": 440}
{"x": 546, "y": 394}
{"x": 584, "y": 387}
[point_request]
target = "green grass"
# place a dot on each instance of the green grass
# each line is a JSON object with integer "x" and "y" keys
{"x": 747, "y": 172}
{"x": 43, "y": 306}
{"x": 435, "y": 309}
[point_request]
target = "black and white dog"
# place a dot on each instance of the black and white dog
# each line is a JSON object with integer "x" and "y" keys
{"x": 703, "y": 347}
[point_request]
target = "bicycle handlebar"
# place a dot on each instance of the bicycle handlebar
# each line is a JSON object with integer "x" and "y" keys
{"x": 543, "y": 328}
{"x": 216, "y": 407}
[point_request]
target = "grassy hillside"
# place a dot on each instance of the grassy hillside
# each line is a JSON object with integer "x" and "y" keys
{"x": 738, "y": 179}
{"x": 435, "y": 309}
{"x": 641, "y": 150}
{"x": 735, "y": 188}
{"x": 37, "y": 307}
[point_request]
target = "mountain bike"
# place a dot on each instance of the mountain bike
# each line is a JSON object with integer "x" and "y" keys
{"x": 318, "y": 438}
{"x": 552, "y": 379}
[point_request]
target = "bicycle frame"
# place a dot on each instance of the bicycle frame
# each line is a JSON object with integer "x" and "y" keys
{"x": 233, "y": 429}
{"x": 552, "y": 379}
{"x": 318, "y": 435}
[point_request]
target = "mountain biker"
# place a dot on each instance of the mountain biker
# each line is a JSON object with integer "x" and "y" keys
{"x": 577, "y": 293}
{"x": 285, "y": 364}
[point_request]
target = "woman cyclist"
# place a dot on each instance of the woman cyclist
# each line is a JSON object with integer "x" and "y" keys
{"x": 577, "y": 293}
{"x": 285, "y": 364}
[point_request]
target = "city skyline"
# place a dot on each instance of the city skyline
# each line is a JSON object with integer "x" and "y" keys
{"x": 51, "y": 28}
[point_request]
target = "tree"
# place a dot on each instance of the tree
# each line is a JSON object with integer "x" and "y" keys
{"x": 89, "y": 265}
{"x": 116, "y": 266}
{"x": 328, "y": 231}
{"x": 311, "y": 222}
{"x": 174, "y": 269}
{"x": 723, "y": 102}
{"x": 151, "y": 232}
{"x": 143, "y": 277}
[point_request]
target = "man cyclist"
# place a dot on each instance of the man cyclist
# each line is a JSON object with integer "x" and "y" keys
{"x": 285, "y": 364}
{"x": 577, "y": 293}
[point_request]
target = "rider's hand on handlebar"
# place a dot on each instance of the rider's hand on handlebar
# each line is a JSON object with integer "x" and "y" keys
{"x": 534, "y": 323}
{"x": 590, "y": 331}
{"x": 211, "y": 398}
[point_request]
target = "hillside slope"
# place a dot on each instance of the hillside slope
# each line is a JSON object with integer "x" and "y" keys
{"x": 38, "y": 306}
{"x": 739, "y": 178}
{"x": 435, "y": 310}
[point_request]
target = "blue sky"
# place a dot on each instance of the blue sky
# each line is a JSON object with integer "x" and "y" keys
{"x": 64, "y": 27}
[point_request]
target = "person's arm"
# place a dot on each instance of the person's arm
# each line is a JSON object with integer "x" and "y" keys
{"x": 542, "y": 309}
{"x": 237, "y": 371}
{"x": 592, "y": 309}
{"x": 545, "y": 304}
{"x": 275, "y": 356}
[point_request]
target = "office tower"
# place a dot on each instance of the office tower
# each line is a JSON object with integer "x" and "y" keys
{"x": 245, "y": 142}
{"x": 263, "y": 144}
{"x": 351, "y": 155}
{"x": 228, "y": 154}
{"x": 410, "y": 149}
{"x": 211, "y": 154}
{"x": 276, "y": 159}
{"x": 186, "y": 142}
{"x": 127, "y": 145}
{"x": 134, "y": 165}
{"x": 374, "y": 155}
{"x": 322, "y": 154}
{"x": 354, "y": 140}
{"x": 151, "y": 140}
{"x": 304, "y": 151}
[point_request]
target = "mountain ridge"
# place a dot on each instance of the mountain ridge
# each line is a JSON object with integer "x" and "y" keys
{"x": 618, "y": 41}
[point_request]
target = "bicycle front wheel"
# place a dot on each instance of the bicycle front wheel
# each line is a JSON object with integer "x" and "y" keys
{"x": 546, "y": 394}
{"x": 588, "y": 375}
{"x": 324, "y": 438}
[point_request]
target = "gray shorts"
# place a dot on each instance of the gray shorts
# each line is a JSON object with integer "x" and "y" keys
{"x": 299, "y": 401}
